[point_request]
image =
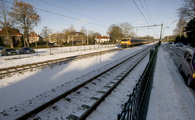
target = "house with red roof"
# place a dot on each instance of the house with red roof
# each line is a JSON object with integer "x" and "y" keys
{"x": 13, "y": 33}
{"x": 34, "y": 38}
{"x": 102, "y": 39}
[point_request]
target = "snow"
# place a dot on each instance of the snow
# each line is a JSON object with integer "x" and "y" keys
{"x": 50, "y": 54}
{"x": 170, "y": 98}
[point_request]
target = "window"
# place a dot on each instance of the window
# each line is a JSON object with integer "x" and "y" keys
{"x": 125, "y": 40}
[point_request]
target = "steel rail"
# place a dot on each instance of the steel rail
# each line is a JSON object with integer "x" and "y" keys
{"x": 45, "y": 105}
{"x": 18, "y": 69}
{"x": 96, "y": 104}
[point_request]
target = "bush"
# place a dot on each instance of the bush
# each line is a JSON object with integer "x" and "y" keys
{"x": 20, "y": 44}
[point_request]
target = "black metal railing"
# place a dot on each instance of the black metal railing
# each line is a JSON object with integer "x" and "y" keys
{"x": 137, "y": 105}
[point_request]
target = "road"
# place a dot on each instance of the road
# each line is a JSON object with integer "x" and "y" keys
{"x": 188, "y": 94}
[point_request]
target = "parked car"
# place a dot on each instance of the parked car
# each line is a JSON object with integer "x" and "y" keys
{"x": 9, "y": 51}
{"x": 26, "y": 50}
{"x": 187, "y": 66}
{"x": 179, "y": 44}
{"x": 1, "y": 48}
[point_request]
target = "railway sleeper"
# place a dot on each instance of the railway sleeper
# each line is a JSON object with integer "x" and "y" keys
{"x": 72, "y": 117}
{"x": 94, "y": 98}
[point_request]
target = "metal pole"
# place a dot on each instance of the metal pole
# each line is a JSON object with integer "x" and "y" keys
{"x": 161, "y": 32}
{"x": 87, "y": 38}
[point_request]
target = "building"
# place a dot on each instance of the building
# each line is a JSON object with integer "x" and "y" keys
{"x": 76, "y": 38}
{"x": 57, "y": 38}
{"x": 171, "y": 37}
{"x": 13, "y": 33}
{"x": 102, "y": 39}
{"x": 34, "y": 38}
{"x": 72, "y": 38}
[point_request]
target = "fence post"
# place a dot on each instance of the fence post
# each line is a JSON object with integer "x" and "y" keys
{"x": 151, "y": 54}
{"x": 50, "y": 50}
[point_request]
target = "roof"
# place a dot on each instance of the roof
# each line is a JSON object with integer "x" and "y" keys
{"x": 102, "y": 37}
{"x": 74, "y": 33}
{"x": 33, "y": 34}
{"x": 11, "y": 31}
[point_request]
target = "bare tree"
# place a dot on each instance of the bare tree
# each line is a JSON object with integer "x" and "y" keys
{"x": 188, "y": 10}
{"x": 92, "y": 35}
{"x": 176, "y": 31}
{"x": 126, "y": 28}
{"x": 132, "y": 34}
{"x": 4, "y": 20}
{"x": 179, "y": 30}
{"x": 115, "y": 32}
{"x": 64, "y": 30}
{"x": 24, "y": 15}
{"x": 45, "y": 33}
{"x": 84, "y": 32}
{"x": 71, "y": 29}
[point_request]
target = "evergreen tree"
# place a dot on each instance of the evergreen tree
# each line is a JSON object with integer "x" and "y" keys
{"x": 190, "y": 30}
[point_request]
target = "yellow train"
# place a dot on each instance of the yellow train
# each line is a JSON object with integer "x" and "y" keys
{"x": 129, "y": 42}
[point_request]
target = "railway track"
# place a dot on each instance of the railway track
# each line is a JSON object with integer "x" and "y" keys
{"x": 50, "y": 63}
{"x": 100, "y": 85}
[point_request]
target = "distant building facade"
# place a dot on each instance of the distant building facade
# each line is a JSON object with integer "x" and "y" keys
{"x": 13, "y": 34}
{"x": 102, "y": 39}
{"x": 72, "y": 38}
{"x": 57, "y": 38}
{"x": 171, "y": 37}
{"x": 76, "y": 38}
{"x": 34, "y": 38}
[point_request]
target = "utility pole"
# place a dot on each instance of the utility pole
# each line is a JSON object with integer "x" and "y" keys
{"x": 126, "y": 31}
{"x": 87, "y": 38}
{"x": 161, "y": 32}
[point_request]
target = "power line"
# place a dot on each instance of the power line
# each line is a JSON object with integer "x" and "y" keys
{"x": 68, "y": 17}
{"x": 88, "y": 10}
{"x": 60, "y": 15}
{"x": 72, "y": 11}
{"x": 142, "y": 14}
{"x": 148, "y": 11}
{"x": 145, "y": 11}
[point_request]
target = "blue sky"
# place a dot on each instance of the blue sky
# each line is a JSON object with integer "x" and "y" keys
{"x": 103, "y": 13}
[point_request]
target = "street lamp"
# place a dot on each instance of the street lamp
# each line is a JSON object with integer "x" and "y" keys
{"x": 163, "y": 30}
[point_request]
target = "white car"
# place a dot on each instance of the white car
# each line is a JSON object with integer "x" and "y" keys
{"x": 179, "y": 44}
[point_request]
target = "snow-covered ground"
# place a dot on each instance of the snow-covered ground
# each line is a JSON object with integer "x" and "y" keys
{"x": 50, "y": 54}
{"x": 170, "y": 98}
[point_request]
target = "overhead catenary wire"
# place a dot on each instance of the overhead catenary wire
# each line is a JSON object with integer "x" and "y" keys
{"x": 142, "y": 14}
{"x": 88, "y": 10}
{"x": 60, "y": 15}
{"x": 69, "y": 16}
{"x": 72, "y": 11}
{"x": 145, "y": 11}
{"x": 149, "y": 11}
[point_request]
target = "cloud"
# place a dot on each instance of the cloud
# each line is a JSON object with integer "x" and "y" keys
{"x": 82, "y": 21}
